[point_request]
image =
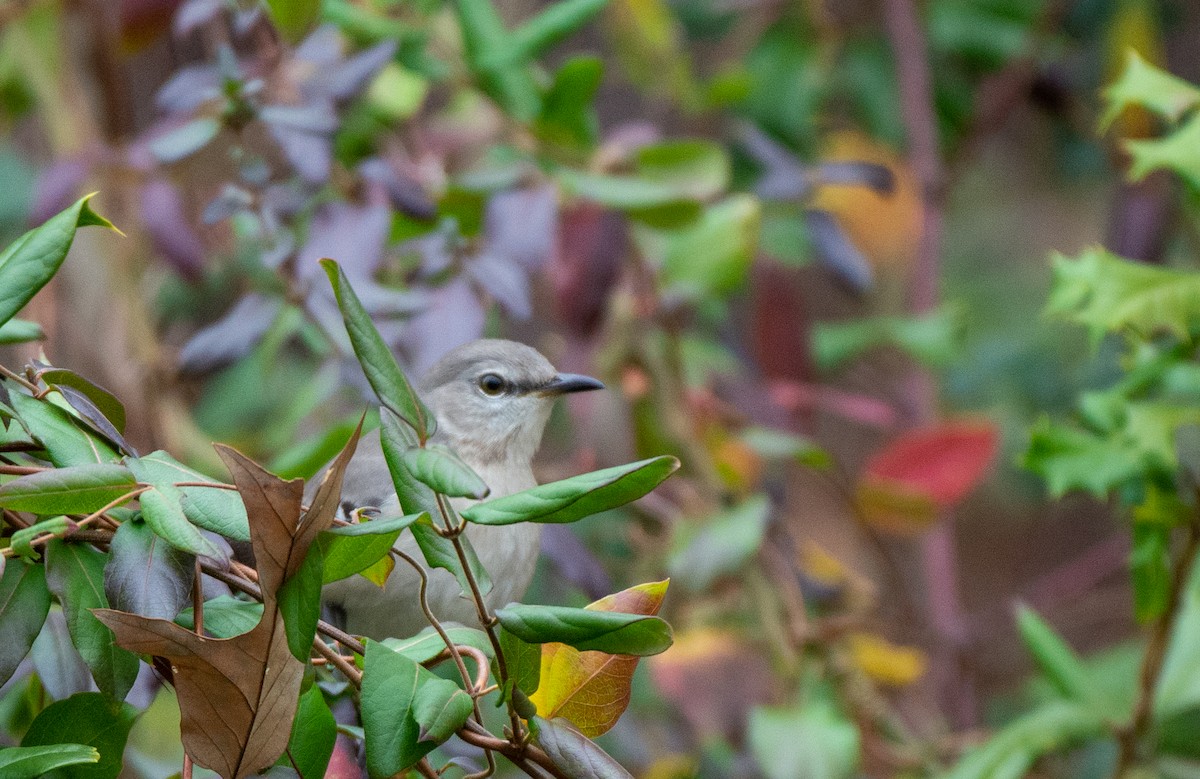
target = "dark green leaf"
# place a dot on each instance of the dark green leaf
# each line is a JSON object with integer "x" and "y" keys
{"x": 24, "y": 603}
{"x": 79, "y": 489}
{"x": 1011, "y": 752}
{"x": 442, "y": 471}
{"x": 568, "y": 117}
{"x": 428, "y": 644}
{"x": 586, "y": 629}
{"x": 572, "y": 499}
{"x": 294, "y": 18}
{"x": 485, "y": 40}
{"x": 1055, "y": 658}
{"x": 349, "y": 549}
{"x": 389, "y": 689}
{"x": 396, "y": 438}
{"x": 439, "y": 552}
{"x": 710, "y": 256}
{"x": 314, "y": 732}
{"x": 389, "y": 382}
{"x": 440, "y": 708}
{"x": 300, "y": 604}
{"x": 105, "y": 401}
{"x": 35, "y": 762}
{"x": 721, "y": 546}
{"x": 75, "y": 574}
{"x": 163, "y": 511}
{"x": 524, "y": 662}
{"x": 66, "y": 442}
{"x": 1150, "y": 567}
{"x": 224, "y": 616}
{"x": 17, "y": 331}
{"x": 217, "y": 509}
{"x": 33, "y": 259}
{"x": 575, "y": 754}
{"x": 86, "y": 718}
{"x": 145, "y": 575}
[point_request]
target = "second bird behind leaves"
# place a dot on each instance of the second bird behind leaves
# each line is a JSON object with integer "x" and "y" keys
{"x": 492, "y": 399}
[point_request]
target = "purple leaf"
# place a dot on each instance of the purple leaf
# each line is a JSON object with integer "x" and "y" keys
{"x": 454, "y": 317}
{"x": 94, "y": 417}
{"x": 851, "y": 172}
{"x": 317, "y": 117}
{"x": 837, "y": 252}
{"x": 346, "y": 79}
{"x": 193, "y": 14}
{"x": 522, "y": 224}
{"x": 58, "y": 664}
{"x": 381, "y": 301}
{"x": 592, "y": 240}
{"x": 231, "y": 336}
{"x": 231, "y": 200}
{"x": 574, "y": 561}
{"x": 311, "y": 155}
{"x": 406, "y": 195}
{"x": 504, "y": 280}
{"x": 435, "y": 251}
{"x": 184, "y": 139}
{"x": 170, "y": 230}
{"x": 57, "y": 187}
{"x": 188, "y": 89}
{"x": 353, "y": 235}
{"x": 323, "y": 46}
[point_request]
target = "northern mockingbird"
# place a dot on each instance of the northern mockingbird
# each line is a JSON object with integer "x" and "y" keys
{"x": 492, "y": 399}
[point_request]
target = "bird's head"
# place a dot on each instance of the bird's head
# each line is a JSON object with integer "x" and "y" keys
{"x": 493, "y": 397}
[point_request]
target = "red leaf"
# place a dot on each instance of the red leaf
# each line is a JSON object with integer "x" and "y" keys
{"x": 941, "y": 463}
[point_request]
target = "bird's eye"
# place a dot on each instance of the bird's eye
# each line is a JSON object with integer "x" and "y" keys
{"x": 492, "y": 384}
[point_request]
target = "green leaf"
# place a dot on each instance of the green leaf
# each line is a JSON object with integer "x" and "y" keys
{"x": 440, "y": 708}
{"x": 811, "y": 740}
{"x": 721, "y": 546}
{"x": 17, "y": 331}
{"x": 439, "y": 552}
{"x": 294, "y": 18}
{"x": 1011, "y": 752}
{"x": 34, "y": 762}
{"x": 933, "y": 339}
{"x": 224, "y": 616}
{"x": 442, "y": 471}
{"x": 1056, "y": 659}
{"x": 79, "y": 489}
{"x": 75, "y": 574}
{"x": 568, "y": 116}
{"x": 778, "y": 444}
{"x": 428, "y": 644}
{"x": 396, "y": 438}
{"x": 105, "y": 401}
{"x": 653, "y": 202}
{"x": 556, "y": 22}
{"x": 217, "y": 509}
{"x": 485, "y": 39}
{"x": 349, "y": 549}
{"x": 575, "y": 754}
{"x": 586, "y": 629}
{"x": 1143, "y": 84}
{"x": 712, "y": 255}
{"x": 314, "y": 732}
{"x": 162, "y": 510}
{"x": 87, "y": 718}
{"x": 1176, "y": 152}
{"x": 24, "y": 603}
{"x": 523, "y": 660}
{"x": 33, "y": 259}
{"x": 145, "y": 575}
{"x": 65, "y": 440}
{"x": 1108, "y": 294}
{"x": 573, "y": 499}
{"x": 389, "y": 382}
{"x": 300, "y": 604}
{"x": 1150, "y": 570}
{"x": 696, "y": 168}
{"x": 389, "y": 689}
{"x": 1069, "y": 458}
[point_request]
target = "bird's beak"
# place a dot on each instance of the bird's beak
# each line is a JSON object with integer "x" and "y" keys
{"x": 570, "y": 382}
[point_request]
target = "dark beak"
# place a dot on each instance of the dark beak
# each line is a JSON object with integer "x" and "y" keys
{"x": 570, "y": 382}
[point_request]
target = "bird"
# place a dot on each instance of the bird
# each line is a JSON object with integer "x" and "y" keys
{"x": 492, "y": 399}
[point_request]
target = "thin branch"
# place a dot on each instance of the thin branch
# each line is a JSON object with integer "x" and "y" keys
{"x": 337, "y": 661}
{"x": 90, "y": 518}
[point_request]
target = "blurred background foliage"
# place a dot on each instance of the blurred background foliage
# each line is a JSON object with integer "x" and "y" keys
{"x": 731, "y": 211}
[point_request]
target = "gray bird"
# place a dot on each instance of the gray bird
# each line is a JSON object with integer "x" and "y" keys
{"x": 492, "y": 399}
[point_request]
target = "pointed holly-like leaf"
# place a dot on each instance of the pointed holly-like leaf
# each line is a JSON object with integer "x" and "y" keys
{"x": 145, "y": 575}
{"x": 441, "y": 469}
{"x": 314, "y": 732}
{"x": 592, "y": 689}
{"x": 65, "y": 440}
{"x": 79, "y": 489}
{"x": 575, "y": 754}
{"x": 75, "y": 574}
{"x": 349, "y": 549}
{"x": 217, "y": 508}
{"x": 237, "y": 696}
{"x": 542, "y": 31}
{"x": 35, "y": 762}
{"x": 87, "y": 718}
{"x": 587, "y": 629}
{"x": 24, "y": 603}
{"x": 1142, "y": 84}
{"x": 389, "y": 382}
{"x": 33, "y": 259}
{"x": 572, "y": 499}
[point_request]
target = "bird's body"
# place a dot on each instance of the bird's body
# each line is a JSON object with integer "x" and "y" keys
{"x": 492, "y": 400}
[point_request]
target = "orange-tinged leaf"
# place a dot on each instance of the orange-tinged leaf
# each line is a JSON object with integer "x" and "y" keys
{"x": 885, "y": 662}
{"x": 905, "y": 484}
{"x": 591, "y": 689}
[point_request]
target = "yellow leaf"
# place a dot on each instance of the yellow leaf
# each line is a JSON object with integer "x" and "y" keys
{"x": 885, "y": 662}
{"x": 378, "y": 572}
{"x": 591, "y": 689}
